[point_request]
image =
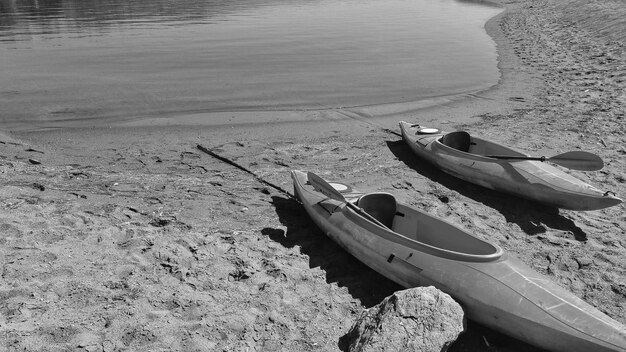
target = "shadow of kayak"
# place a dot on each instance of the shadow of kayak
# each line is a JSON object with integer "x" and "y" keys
{"x": 339, "y": 266}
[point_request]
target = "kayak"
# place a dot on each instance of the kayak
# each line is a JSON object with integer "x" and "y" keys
{"x": 500, "y": 168}
{"x": 413, "y": 248}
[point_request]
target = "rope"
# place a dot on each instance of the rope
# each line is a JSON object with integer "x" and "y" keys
{"x": 257, "y": 177}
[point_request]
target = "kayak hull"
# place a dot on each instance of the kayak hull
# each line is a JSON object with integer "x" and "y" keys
{"x": 534, "y": 180}
{"x": 494, "y": 288}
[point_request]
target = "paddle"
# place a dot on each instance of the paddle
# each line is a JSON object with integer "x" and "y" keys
{"x": 321, "y": 185}
{"x": 577, "y": 160}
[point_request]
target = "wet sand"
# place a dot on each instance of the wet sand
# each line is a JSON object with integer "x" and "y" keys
{"x": 129, "y": 237}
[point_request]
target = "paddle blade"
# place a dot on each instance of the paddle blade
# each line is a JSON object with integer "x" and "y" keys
{"x": 321, "y": 185}
{"x": 578, "y": 160}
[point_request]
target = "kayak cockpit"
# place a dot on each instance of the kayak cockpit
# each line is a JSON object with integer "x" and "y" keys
{"x": 425, "y": 231}
{"x": 464, "y": 142}
{"x": 459, "y": 140}
{"x": 435, "y": 232}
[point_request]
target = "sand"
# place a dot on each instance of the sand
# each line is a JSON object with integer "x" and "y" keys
{"x": 130, "y": 238}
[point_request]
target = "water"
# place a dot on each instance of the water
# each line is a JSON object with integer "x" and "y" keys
{"x": 78, "y": 62}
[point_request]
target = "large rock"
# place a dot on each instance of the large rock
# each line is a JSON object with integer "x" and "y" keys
{"x": 417, "y": 319}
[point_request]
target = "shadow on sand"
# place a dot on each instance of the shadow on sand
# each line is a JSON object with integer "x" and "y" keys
{"x": 528, "y": 215}
{"x": 362, "y": 282}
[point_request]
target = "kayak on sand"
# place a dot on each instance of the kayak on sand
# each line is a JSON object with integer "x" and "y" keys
{"x": 500, "y": 168}
{"x": 414, "y": 249}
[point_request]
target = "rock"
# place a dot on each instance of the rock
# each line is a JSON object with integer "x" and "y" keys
{"x": 417, "y": 319}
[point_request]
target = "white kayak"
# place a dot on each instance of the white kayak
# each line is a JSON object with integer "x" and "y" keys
{"x": 501, "y": 168}
{"x": 414, "y": 249}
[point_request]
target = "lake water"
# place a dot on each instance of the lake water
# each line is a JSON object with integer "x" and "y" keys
{"x": 78, "y": 62}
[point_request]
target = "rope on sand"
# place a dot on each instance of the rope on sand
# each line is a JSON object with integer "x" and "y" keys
{"x": 257, "y": 177}
{"x": 358, "y": 117}
{"x": 351, "y": 115}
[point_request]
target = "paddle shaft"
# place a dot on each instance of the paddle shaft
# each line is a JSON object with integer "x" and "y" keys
{"x": 577, "y": 160}
{"x": 365, "y": 214}
{"x": 540, "y": 158}
{"x": 331, "y": 192}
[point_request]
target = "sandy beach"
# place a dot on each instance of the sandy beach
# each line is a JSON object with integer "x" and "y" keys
{"x": 128, "y": 237}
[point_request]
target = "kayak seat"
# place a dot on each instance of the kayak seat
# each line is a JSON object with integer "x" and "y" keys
{"x": 382, "y": 206}
{"x": 459, "y": 140}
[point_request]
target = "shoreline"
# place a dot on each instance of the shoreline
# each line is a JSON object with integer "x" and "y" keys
{"x": 131, "y": 238}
